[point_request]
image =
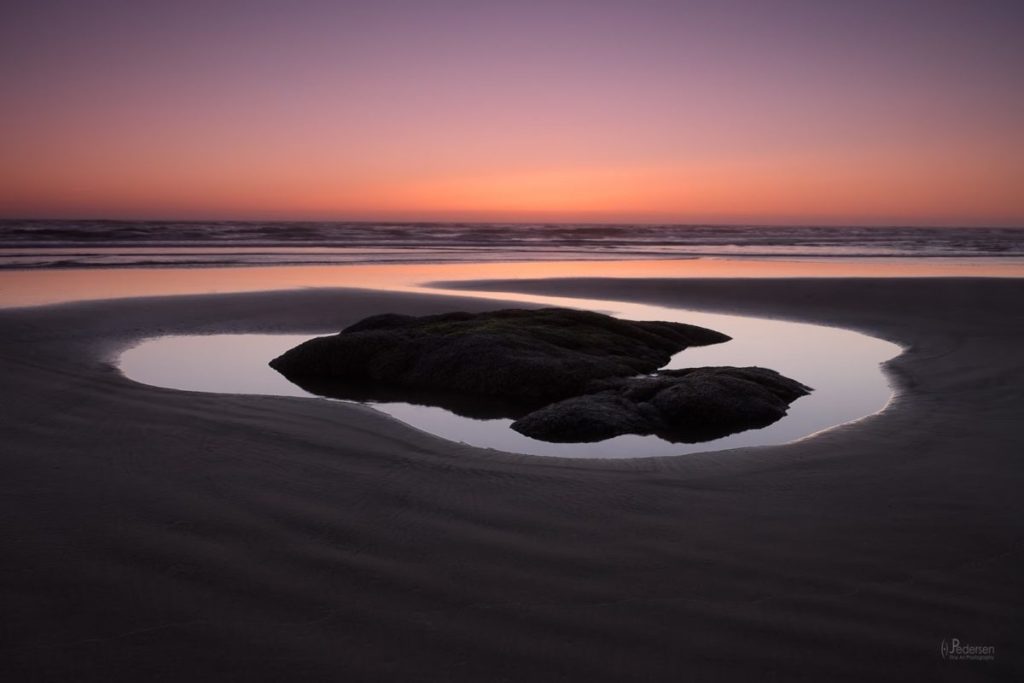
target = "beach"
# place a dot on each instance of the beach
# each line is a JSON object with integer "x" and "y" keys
{"x": 153, "y": 534}
{"x": 532, "y": 342}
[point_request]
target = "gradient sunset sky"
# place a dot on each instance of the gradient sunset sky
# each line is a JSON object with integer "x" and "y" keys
{"x": 869, "y": 112}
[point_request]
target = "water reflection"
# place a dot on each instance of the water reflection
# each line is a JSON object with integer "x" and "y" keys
{"x": 45, "y": 286}
{"x": 476, "y": 407}
{"x": 841, "y": 365}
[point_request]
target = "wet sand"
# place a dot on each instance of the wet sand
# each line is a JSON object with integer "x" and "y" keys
{"x": 151, "y": 534}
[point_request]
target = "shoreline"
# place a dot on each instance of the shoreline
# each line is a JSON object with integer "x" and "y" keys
{"x": 161, "y": 534}
{"x": 37, "y": 287}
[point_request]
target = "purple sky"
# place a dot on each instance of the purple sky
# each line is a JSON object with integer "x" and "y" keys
{"x": 867, "y": 112}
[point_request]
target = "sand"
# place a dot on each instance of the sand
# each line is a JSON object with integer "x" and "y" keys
{"x": 150, "y": 534}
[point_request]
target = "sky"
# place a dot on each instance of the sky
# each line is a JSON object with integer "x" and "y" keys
{"x": 781, "y": 111}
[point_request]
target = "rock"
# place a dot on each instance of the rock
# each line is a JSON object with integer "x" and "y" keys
{"x": 687, "y": 406}
{"x": 513, "y": 360}
{"x": 563, "y": 375}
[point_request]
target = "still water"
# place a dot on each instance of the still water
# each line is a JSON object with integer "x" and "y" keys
{"x": 842, "y": 366}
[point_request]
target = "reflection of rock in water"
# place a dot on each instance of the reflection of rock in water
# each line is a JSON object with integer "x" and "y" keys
{"x": 565, "y": 375}
{"x": 466, "y": 405}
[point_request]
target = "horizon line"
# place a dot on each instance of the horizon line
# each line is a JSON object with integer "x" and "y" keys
{"x": 364, "y": 221}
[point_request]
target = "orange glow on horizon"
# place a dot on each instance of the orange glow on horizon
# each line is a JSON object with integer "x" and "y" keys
{"x": 791, "y": 192}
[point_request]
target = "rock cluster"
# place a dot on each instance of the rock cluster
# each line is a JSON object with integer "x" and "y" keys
{"x": 692, "y": 405}
{"x": 564, "y": 375}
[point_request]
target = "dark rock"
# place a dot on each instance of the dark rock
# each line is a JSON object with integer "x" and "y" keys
{"x": 518, "y": 360}
{"x": 586, "y": 418}
{"x": 564, "y": 375}
{"x": 687, "y": 406}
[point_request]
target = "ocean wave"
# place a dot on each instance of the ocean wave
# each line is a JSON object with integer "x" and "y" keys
{"x": 102, "y": 243}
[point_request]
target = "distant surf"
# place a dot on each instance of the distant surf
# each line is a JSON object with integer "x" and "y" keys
{"x": 105, "y": 243}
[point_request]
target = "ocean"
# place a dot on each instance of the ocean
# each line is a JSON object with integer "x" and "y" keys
{"x": 32, "y": 244}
